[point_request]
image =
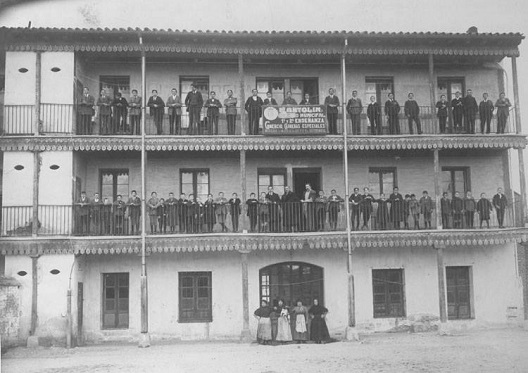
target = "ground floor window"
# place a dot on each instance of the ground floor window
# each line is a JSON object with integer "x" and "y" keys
{"x": 292, "y": 281}
{"x": 195, "y": 293}
{"x": 115, "y": 300}
{"x": 388, "y": 293}
{"x": 458, "y": 293}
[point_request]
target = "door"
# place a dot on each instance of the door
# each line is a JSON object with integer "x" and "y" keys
{"x": 449, "y": 86}
{"x": 458, "y": 293}
{"x": 303, "y": 176}
{"x": 115, "y": 300}
{"x": 80, "y": 302}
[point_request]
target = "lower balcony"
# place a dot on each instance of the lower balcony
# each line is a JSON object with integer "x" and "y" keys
{"x": 191, "y": 219}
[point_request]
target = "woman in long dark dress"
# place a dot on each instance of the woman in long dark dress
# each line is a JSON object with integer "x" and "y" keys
{"x": 318, "y": 330}
{"x": 262, "y": 314}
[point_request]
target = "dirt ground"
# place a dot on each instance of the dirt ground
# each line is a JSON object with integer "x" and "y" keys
{"x": 499, "y": 350}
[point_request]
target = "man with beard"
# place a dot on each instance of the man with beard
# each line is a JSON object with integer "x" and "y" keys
{"x": 274, "y": 201}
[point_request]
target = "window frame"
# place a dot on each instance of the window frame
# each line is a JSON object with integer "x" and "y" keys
{"x": 195, "y": 172}
{"x": 195, "y": 276}
{"x": 113, "y": 81}
{"x": 380, "y": 171}
{"x": 103, "y": 300}
{"x": 286, "y": 81}
{"x": 378, "y": 80}
{"x": 467, "y": 177}
{"x": 457, "y": 285}
{"x": 115, "y": 172}
{"x": 195, "y": 78}
{"x": 290, "y": 282}
{"x": 387, "y": 303}
{"x": 271, "y": 171}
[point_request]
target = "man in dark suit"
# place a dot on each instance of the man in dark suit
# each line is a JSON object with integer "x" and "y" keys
{"x": 194, "y": 103}
{"x": 120, "y": 105}
{"x": 396, "y": 208}
{"x": 332, "y": 104}
{"x": 470, "y": 111}
{"x": 157, "y": 109}
{"x": 486, "y": 109}
{"x": 96, "y": 215}
{"x": 354, "y": 108}
{"x": 174, "y": 104}
{"x": 273, "y": 209}
{"x": 213, "y": 106}
{"x": 83, "y": 214}
{"x": 289, "y": 100}
{"x": 86, "y": 111}
{"x": 290, "y": 207}
{"x": 445, "y": 210}
{"x": 306, "y": 100}
{"x": 269, "y": 100}
{"x": 457, "y": 104}
{"x": 500, "y": 203}
{"x": 457, "y": 208}
{"x": 253, "y": 107}
{"x": 134, "y": 211}
{"x": 366, "y": 206}
{"x": 309, "y": 207}
{"x": 355, "y": 201}
{"x": 412, "y": 112}
{"x": 374, "y": 116}
{"x": 441, "y": 112}
{"x": 135, "y": 112}
{"x": 392, "y": 109}
{"x": 104, "y": 102}
{"x": 119, "y": 216}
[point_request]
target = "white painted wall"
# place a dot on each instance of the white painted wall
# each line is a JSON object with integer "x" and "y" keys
{"x": 20, "y": 87}
{"x": 17, "y": 185}
{"x": 57, "y": 87}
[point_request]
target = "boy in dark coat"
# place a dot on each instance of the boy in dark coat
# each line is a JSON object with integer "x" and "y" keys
{"x": 234, "y": 204}
{"x": 457, "y": 207}
{"x": 426, "y": 208}
{"x": 484, "y": 209}
{"x": 445, "y": 206}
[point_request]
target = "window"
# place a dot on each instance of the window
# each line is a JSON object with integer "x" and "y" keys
{"x": 275, "y": 177}
{"x": 115, "y": 83}
{"x": 113, "y": 182}
{"x": 195, "y": 297}
{"x": 195, "y": 182}
{"x": 455, "y": 179}
{"x": 382, "y": 180}
{"x": 449, "y": 86}
{"x": 201, "y": 83}
{"x": 379, "y": 87}
{"x": 2, "y": 83}
{"x": 115, "y": 300}
{"x": 387, "y": 287}
{"x": 291, "y": 281}
{"x": 458, "y": 293}
{"x": 298, "y": 87}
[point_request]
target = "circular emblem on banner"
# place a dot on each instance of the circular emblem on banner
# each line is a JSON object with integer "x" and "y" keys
{"x": 271, "y": 113}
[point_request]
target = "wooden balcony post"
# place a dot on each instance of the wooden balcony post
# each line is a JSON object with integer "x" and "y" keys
{"x": 36, "y": 181}
{"x": 243, "y": 191}
{"x": 518, "y": 130}
{"x": 441, "y": 282}
{"x": 432, "y": 92}
{"x": 38, "y": 79}
{"x": 144, "y": 337}
{"x": 245, "y": 335}
{"x": 351, "y": 292}
{"x": 438, "y": 192}
{"x": 242, "y": 95}
{"x": 34, "y": 293}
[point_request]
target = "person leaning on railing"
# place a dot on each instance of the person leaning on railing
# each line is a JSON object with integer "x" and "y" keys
{"x": 134, "y": 212}
{"x": 486, "y": 109}
{"x": 157, "y": 109}
{"x": 334, "y": 205}
{"x": 442, "y": 107}
{"x": 104, "y": 102}
{"x": 213, "y": 106}
{"x": 86, "y": 111}
{"x": 95, "y": 213}
{"x": 230, "y": 104}
{"x": 503, "y": 110}
{"x": 83, "y": 214}
{"x": 252, "y": 212}
{"x": 119, "y": 215}
{"x": 174, "y": 104}
{"x": 134, "y": 104}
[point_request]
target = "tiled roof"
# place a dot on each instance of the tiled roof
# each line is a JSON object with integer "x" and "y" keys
{"x": 262, "y": 242}
{"x": 261, "y": 143}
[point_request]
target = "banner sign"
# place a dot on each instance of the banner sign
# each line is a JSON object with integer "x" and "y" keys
{"x": 294, "y": 120}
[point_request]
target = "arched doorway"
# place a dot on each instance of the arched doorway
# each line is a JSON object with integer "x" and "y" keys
{"x": 291, "y": 281}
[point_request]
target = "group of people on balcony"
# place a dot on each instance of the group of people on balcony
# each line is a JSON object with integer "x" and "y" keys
{"x": 113, "y": 112}
{"x": 314, "y": 211}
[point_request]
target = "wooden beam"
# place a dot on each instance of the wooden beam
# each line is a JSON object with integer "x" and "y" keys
{"x": 245, "y": 296}
{"x": 518, "y": 130}
{"x": 432, "y": 89}
{"x": 34, "y": 294}
{"x": 438, "y": 192}
{"x": 38, "y": 79}
{"x": 441, "y": 283}
{"x": 242, "y": 95}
